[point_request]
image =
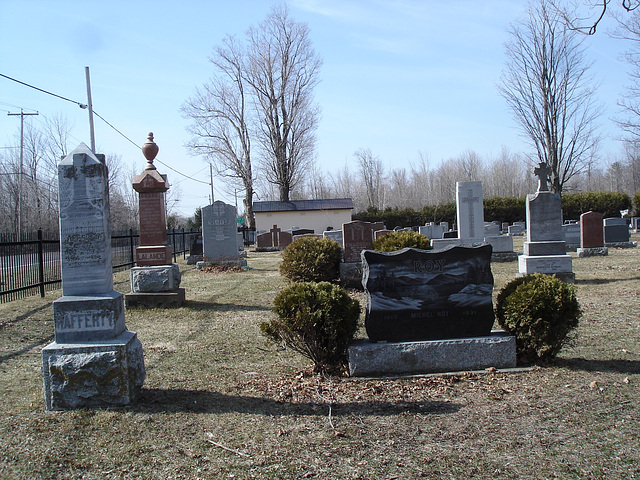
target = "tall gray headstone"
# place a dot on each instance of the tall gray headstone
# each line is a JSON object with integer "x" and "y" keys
{"x": 94, "y": 361}
{"x": 470, "y": 213}
{"x": 544, "y": 248}
{"x": 219, "y": 234}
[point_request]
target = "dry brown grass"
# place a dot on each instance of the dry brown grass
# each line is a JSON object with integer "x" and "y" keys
{"x": 219, "y": 403}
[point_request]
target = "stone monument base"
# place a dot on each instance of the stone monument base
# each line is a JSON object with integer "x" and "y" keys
{"x": 558, "y": 265}
{"x": 107, "y": 373}
{"x": 238, "y": 262}
{"x": 501, "y": 257}
{"x": 621, "y": 244}
{"x": 368, "y": 359}
{"x": 193, "y": 259}
{"x": 155, "y": 300}
{"x": 351, "y": 275}
{"x": 593, "y": 252}
{"x": 155, "y": 279}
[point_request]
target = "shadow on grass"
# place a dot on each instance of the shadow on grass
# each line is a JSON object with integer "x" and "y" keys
{"x": 202, "y": 401}
{"x": 26, "y": 349}
{"x": 604, "y": 281}
{"x": 25, "y": 315}
{"x": 613, "y": 366}
{"x": 197, "y": 306}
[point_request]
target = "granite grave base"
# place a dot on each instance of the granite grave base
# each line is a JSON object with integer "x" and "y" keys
{"x": 367, "y": 359}
{"x": 550, "y": 264}
{"x": 155, "y": 300}
{"x": 155, "y": 279}
{"x": 593, "y": 252}
{"x": 81, "y": 318}
{"x": 503, "y": 257}
{"x": 621, "y": 244}
{"x": 102, "y": 374}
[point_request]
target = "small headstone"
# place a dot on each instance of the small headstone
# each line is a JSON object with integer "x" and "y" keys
{"x": 591, "y": 235}
{"x": 571, "y": 233}
{"x": 515, "y": 230}
{"x": 616, "y": 230}
{"x": 380, "y": 233}
{"x": 424, "y": 295}
{"x": 333, "y": 235}
{"x": 491, "y": 229}
{"x": 274, "y": 239}
{"x": 356, "y": 237}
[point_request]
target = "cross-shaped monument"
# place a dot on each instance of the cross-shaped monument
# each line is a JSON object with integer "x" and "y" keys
{"x": 543, "y": 172}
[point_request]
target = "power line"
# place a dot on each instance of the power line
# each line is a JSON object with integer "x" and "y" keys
{"x": 82, "y": 105}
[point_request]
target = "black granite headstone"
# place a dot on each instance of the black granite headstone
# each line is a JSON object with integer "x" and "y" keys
{"x": 196, "y": 245}
{"x": 415, "y": 295}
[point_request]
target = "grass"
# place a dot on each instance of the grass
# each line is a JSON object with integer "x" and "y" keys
{"x": 220, "y": 403}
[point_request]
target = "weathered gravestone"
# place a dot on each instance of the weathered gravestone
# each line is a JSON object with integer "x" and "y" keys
{"x": 433, "y": 312}
{"x": 195, "y": 250}
{"x": 380, "y": 233}
{"x": 544, "y": 248}
{"x": 591, "y": 235}
{"x": 94, "y": 361}
{"x": 220, "y": 235}
{"x": 155, "y": 280}
{"x": 571, "y": 234}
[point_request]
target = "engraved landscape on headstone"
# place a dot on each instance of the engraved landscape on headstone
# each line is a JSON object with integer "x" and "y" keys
{"x": 94, "y": 361}
{"x": 424, "y": 295}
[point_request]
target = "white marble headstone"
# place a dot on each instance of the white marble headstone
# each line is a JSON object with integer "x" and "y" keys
{"x": 470, "y": 213}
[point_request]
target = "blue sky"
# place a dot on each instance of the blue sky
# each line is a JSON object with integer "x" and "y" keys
{"x": 399, "y": 76}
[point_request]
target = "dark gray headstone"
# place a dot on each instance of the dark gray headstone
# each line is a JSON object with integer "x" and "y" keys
{"x": 424, "y": 295}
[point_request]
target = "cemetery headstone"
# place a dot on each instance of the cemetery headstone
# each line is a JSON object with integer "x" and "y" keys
{"x": 94, "y": 361}
{"x": 429, "y": 312}
{"x": 616, "y": 230}
{"x": 275, "y": 239}
{"x": 591, "y": 235}
{"x": 155, "y": 280}
{"x": 220, "y": 243}
{"x": 424, "y": 295}
{"x": 380, "y": 233}
{"x": 470, "y": 212}
{"x": 356, "y": 237}
{"x": 544, "y": 248}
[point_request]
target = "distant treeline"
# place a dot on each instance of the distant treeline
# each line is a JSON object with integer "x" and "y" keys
{"x": 504, "y": 209}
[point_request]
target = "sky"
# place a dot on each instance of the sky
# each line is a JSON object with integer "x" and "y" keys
{"x": 399, "y": 77}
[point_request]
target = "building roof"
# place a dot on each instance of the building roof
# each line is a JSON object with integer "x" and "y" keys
{"x": 304, "y": 205}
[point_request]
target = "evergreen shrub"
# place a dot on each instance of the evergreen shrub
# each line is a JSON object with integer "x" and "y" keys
{"x": 540, "y": 311}
{"x": 317, "y": 320}
{"x": 398, "y": 240}
{"x": 311, "y": 259}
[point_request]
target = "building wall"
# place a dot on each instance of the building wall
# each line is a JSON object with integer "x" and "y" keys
{"x": 317, "y": 220}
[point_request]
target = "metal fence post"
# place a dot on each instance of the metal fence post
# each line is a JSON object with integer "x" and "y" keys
{"x": 131, "y": 247}
{"x": 41, "y": 262}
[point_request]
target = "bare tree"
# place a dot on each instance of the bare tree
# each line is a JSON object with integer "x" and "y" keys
{"x": 597, "y": 10}
{"x": 547, "y": 86}
{"x": 282, "y": 69}
{"x": 221, "y": 120}
{"x": 372, "y": 174}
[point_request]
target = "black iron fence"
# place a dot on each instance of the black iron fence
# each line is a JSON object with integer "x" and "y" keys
{"x": 30, "y": 263}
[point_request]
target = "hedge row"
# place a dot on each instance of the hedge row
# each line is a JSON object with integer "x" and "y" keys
{"x": 504, "y": 209}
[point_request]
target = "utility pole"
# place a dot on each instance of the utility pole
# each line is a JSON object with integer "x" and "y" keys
{"x": 211, "y": 173}
{"x": 22, "y": 115}
{"x": 90, "y": 107}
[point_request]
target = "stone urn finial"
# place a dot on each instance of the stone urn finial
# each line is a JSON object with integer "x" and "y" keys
{"x": 150, "y": 150}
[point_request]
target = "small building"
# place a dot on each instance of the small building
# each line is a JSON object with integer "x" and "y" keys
{"x": 316, "y": 215}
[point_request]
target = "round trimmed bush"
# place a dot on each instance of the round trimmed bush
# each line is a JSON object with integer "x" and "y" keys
{"x": 398, "y": 240}
{"x": 311, "y": 259}
{"x": 540, "y": 311}
{"x": 318, "y": 320}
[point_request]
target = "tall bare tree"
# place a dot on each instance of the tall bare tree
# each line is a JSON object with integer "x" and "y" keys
{"x": 371, "y": 171}
{"x": 546, "y": 84}
{"x": 282, "y": 69}
{"x": 221, "y": 120}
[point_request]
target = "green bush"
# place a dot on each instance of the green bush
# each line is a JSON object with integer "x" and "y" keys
{"x": 540, "y": 311}
{"x": 636, "y": 204}
{"x": 608, "y": 204}
{"x": 318, "y": 320}
{"x": 311, "y": 259}
{"x": 398, "y": 240}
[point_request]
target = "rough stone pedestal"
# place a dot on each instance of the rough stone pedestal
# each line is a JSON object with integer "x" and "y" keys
{"x": 155, "y": 287}
{"x": 592, "y": 252}
{"x": 368, "y": 359}
{"x": 107, "y": 373}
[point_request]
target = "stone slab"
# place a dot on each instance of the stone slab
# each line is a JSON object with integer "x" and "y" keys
{"x": 155, "y": 300}
{"x": 219, "y": 232}
{"x": 621, "y": 244}
{"x": 500, "y": 243}
{"x": 616, "y": 233}
{"x": 591, "y": 230}
{"x": 544, "y": 217}
{"x": 88, "y": 318}
{"x": 545, "y": 264}
{"x": 93, "y": 375}
{"x": 503, "y": 257}
{"x": 156, "y": 279}
{"x": 593, "y": 252}
{"x": 469, "y": 211}
{"x": 544, "y": 248}
{"x": 367, "y": 359}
